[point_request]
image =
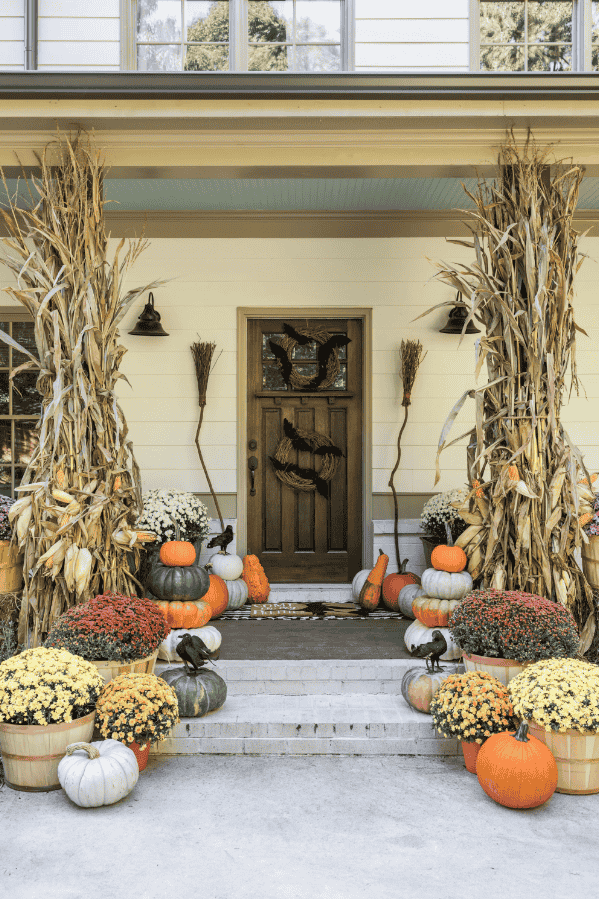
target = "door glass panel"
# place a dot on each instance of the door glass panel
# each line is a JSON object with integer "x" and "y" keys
{"x": 307, "y": 369}
{"x": 305, "y": 352}
{"x": 272, "y": 378}
{"x": 341, "y": 379}
{"x": 267, "y": 353}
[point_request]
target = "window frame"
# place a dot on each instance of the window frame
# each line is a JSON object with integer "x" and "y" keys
{"x": 581, "y": 39}
{"x": 12, "y": 315}
{"x": 238, "y": 43}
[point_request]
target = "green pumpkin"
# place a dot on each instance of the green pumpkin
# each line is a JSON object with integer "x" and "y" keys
{"x": 198, "y": 692}
{"x": 176, "y": 582}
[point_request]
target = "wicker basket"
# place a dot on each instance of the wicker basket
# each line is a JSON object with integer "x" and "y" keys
{"x": 111, "y": 669}
{"x": 590, "y": 561}
{"x": 503, "y": 669}
{"x": 577, "y": 757}
{"x": 11, "y": 568}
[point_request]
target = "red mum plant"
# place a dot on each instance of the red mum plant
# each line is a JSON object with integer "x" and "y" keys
{"x": 110, "y": 626}
{"x": 506, "y": 624}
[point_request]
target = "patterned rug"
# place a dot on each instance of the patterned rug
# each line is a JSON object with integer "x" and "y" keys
{"x": 312, "y": 611}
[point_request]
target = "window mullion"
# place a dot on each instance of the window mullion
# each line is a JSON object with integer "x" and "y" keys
{"x": 238, "y": 35}
{"x": 583, "y": 36}
{"x": 348, "y": 36}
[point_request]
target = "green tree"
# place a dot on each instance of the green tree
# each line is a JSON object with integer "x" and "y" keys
{"x": 264, "y": 26}
{"x": 504, "y": 23}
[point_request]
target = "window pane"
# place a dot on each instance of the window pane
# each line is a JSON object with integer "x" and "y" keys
{"x": 267, "y": 353}
{"x": 25, "y": 441}
{"x": 159, "y": 20}
{"x": 595, "y": 59}
{"x": 317, "y": 59}
{"x": 502, "y": 59}
{"x": 23, "y": 333}
{"x": 25, "y": 397}
{"x": 159, "y": 59}
{"x": 270, "y": 21}
{"x": 269, "y": 59}
{"x": 207, "y": 58}
{"x": 318, "y": 20}
{"x": 5, "y": 442}
{"x": 549, "y": 59}
{"x": 4, "y": 410}
{"x": 207, "y": 21}
{"x": 501, "y": 22}
{"x": 595, "y": 23}
{"x": 308, "y": 351}
{"x": 5, "y": 485}
{"x": 341, "y": 379}
{"x": 550, "y": 21}
{"x": 4, "y": 326}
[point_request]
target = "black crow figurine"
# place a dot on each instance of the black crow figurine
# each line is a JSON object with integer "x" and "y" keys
{"x": 222, "y": 540}
{"x": 193, "y": 650}
{"x": 432, "y": 651}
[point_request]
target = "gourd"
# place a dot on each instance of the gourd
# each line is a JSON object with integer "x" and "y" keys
{"x": 217, "y": 595}
{"x": 394, "y": 584}
{"x": 516, "y": 769}
{"x": 95, "y": 774}
{"x": 238, "y": 593}
{"x": 168, "y": 648}
{"x": 226, "y": 565}
{"x": 370, "y": 593}
{"x": 432, "y": 611}
{"x": 406, "y": 598}
{"x": 198, "y": 692}
{"x": 417, "y": 633}
{"x": 185, "y": 614}
{"x": 418, "y": 686}
{"x": 177, "y": 551}
{"x": 446, "y": 584}
{"x": 256, "y": 580}
{"x": 177, "y": 582}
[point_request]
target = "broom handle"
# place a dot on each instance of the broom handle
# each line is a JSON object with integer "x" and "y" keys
{"x": 222, "y": 524}
{"x": 392, "y": 486}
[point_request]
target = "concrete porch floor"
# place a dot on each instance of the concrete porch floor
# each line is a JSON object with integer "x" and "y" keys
{"x": 225, "y": 827}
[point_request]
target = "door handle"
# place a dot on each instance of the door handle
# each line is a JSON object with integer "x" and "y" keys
{"x": 252, "y": 465}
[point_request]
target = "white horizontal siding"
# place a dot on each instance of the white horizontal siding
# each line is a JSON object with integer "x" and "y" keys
{"x": 399, "y": 55}
{"x": 407, "y": 9}
{"x": 12, "y": 35}
{"x": 79, "y": 34}
{"x": 406, "y": 31}
{"x": 78, "y": 8}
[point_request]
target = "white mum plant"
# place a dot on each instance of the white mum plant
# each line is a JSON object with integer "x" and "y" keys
{"x": 161, "y": 506}
{"x": 438, "y": 510}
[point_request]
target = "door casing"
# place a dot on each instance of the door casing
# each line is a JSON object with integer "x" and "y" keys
{"x": 244, "y": 313}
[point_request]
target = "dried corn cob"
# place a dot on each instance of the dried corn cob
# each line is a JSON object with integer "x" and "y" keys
{"x": 63, "y": 497}
{"x": 69, "y": 566}
{"x": 83, "y": 567}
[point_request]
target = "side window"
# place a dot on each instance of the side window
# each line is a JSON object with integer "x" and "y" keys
{"x": 20, "y": 406}
{"x": 526, "y": 35}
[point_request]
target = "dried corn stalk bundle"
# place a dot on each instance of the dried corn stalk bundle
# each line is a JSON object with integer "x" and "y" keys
{"x": 80, "y": 494}
{"x": 524, "y": 505}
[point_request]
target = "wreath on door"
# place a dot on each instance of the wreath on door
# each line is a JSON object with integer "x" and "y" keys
{"x": 293, "y": 475}
{"x": 327, "y": 356}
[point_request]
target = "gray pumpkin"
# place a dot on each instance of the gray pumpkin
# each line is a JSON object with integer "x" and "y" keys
{"x": 177, "y": 582}
{"x": 198, "y": 692}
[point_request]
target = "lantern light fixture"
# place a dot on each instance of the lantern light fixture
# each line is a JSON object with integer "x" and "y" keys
{"x": 457, "y": 317}
{"x": 148, "y": 323}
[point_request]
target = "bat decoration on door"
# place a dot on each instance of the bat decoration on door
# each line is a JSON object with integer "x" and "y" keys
{"x": 304, "y": 445}
{"x": 294, "y": 475}
{"x": 330, "y": 345}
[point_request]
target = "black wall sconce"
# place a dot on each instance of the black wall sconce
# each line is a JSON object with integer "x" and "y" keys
{"x": 457, "y": 317}
{"x": 148, "y": 323}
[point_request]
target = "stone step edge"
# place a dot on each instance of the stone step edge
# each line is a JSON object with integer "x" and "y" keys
{"x": 420, "y": 746}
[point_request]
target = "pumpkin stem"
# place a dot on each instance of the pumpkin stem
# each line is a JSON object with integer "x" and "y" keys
{"x": 522, "y": 733}
{"x": 91, "y": 750}
{"x": 402, "y": 566}
{"x": 177, "y": 528}
{"x": 448, "y": 534}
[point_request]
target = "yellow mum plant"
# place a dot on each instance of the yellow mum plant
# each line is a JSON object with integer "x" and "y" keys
{"x": 47, "y": 686}
{"x": 471, "y": 706}
{"x": 137, "y": 708}
{"x": 558, "y": 694}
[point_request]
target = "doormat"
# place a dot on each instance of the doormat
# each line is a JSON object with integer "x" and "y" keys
{"x": 313, "y": 611}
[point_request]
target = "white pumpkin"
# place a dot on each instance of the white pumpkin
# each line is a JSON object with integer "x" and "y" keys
{"x": 226, "y": 565}
{"x": 418, "y": 633}
{"x": 238, "y": 594}
{"x": 446, "y": 584}
{"x": 168, "y": 648}
{"x": 406, "y": 597}
{"x": 95, "y": 774}
{"x": 358, "y": 582}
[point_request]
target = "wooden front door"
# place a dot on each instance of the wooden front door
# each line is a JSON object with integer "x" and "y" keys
{"x": 299, "y": 535}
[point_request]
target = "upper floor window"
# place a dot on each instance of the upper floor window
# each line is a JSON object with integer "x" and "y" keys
{"x": 239, "y": 35}
{"x": 527, "y": 35}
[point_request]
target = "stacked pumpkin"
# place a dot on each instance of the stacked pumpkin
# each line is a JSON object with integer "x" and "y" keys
{"x": 369, "y": 586}
{"x": 442, "y": 588}
{"x": 228, "y": 591}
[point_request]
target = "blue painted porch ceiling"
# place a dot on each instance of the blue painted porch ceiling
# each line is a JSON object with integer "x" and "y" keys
{"x": 278, "y": 194}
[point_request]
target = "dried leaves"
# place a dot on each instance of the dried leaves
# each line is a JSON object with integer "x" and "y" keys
{"x": 81, "y": 490}
{"x": 520, "y": 289}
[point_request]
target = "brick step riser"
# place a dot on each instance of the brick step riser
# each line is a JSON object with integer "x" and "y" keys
{"x": 203, "y": 728}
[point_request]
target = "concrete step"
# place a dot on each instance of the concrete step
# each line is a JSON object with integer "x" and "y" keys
{"x": 316, "y": 677}
{"x": 310, "y": 593}
{"x": 348, "y": 724}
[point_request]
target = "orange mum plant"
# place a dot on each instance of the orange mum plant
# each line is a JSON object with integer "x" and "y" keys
{"x": 471, "y": 706}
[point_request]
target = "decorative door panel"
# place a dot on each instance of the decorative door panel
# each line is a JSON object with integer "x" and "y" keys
{"x": 304, "y": 449}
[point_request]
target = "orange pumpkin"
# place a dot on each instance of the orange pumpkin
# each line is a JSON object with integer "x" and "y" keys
{"x": 185, "y": 614}
{"x": 217, "y": 596}
{"x": 255, "y": 578}
{"x": 394, "y": 584}
{"x": 370, "y": 593}
{"x": 516, "y": 769}
{"x": 177, "y": 552}
{"x": 448, "y": 558}
{"x": 432, "y": 611}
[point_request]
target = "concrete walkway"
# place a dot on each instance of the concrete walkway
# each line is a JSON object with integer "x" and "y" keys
{"x": 231, "y": 827}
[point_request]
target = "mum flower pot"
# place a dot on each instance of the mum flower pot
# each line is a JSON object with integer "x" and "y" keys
{"x": 31, "y": 752}
{"x": 109, "y": 669}
{"x": 590, "y": 561}
{"x": 11, "y": 568}
{"x": 503, "y": 669}
{"x": 577, "y": 758}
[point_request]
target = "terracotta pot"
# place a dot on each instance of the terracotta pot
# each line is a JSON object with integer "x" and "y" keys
{"x": 111, "y": 669}
{"x": 503, "y": 669}
{"x": 577, "y": 758}
{"x": 590, "y": 561}
{"x": 31, "y": 752}
{"x": 470, "y": 749}
{"x": 141, "y": 755}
